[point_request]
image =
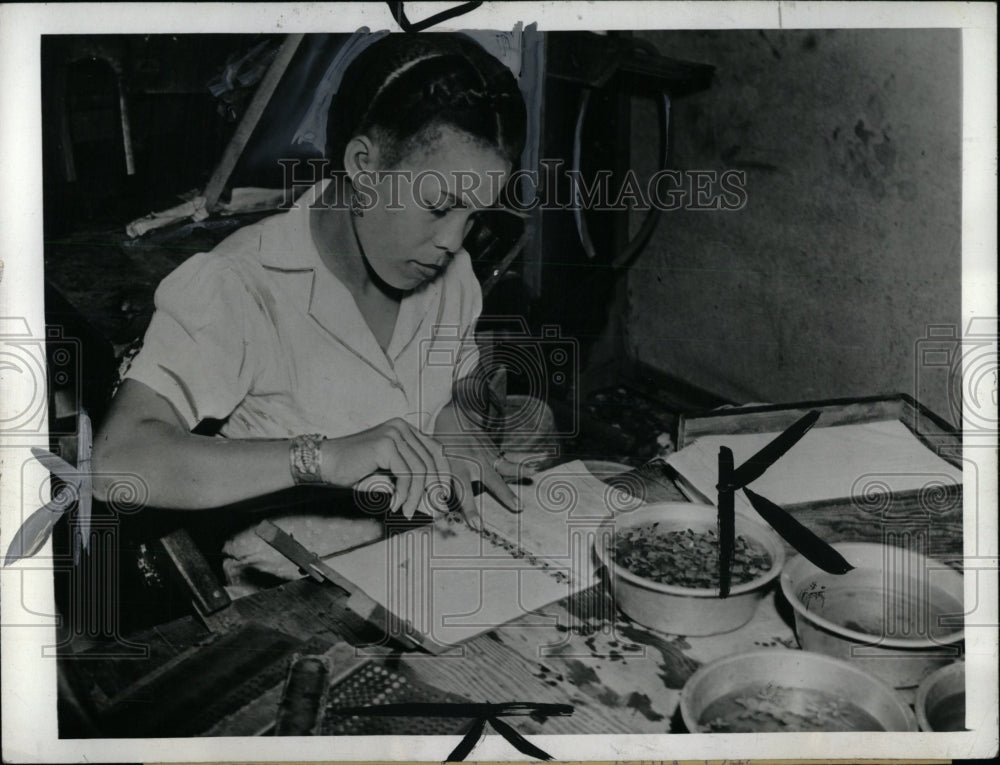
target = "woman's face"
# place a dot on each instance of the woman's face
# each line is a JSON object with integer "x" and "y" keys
{"x": 417, "y": 215}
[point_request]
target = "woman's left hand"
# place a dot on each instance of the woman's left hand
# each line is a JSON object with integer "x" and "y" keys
{"x": 472, "y": 462}
{"x": 473, "y": 457}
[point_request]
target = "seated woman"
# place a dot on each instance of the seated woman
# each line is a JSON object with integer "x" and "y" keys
{"x": 328, "y": 339}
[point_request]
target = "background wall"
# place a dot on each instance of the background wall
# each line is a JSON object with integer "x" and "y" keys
{"x": 849, "y": 244}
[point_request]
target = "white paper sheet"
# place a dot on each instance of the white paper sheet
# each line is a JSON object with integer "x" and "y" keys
{"x": 827, "y": 463}
{"x": 451, "y": 583}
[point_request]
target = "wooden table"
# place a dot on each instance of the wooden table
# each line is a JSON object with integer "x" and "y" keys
{"x": 620, "y": 677}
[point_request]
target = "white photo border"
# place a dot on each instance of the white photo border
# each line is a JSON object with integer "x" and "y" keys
{"x": 29, "y": 687}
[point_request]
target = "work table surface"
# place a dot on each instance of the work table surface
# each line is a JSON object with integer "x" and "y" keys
{"x": 619, "y": 676}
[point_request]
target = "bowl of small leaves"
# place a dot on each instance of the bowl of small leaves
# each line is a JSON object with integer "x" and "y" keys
{"x": 663, "y": 567}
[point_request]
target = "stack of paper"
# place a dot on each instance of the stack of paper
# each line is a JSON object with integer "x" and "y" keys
{"x": 451, "y": 582}
{"x": 827, "y": 463}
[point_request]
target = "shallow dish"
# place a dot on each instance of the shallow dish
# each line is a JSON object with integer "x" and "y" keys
{"x": 940, "y": 703}
{"x": 897, "y": 614}
{"x": 687, "y": 610}
{"x": 807, "y": 691}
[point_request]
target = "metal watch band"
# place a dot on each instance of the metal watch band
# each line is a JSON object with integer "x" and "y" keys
{"x": 306, "y": 459}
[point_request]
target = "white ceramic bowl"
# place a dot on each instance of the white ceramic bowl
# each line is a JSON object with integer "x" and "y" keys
{"x": 889, "y": 616}
{"x": 683, "y": 610}
{"x": 940, "y": 703}
{"x": 793, "y": 669}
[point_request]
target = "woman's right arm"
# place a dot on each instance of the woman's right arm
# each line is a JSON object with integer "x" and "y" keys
{"x": 145, "y": 436}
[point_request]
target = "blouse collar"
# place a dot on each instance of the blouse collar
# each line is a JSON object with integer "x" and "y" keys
{"x": 292, "y": 251}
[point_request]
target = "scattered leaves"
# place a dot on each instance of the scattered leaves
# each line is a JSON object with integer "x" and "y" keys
{"x": 685, "y": 558}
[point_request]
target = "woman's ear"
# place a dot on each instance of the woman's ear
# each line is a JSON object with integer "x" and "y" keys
{"x": 360, "y": 156}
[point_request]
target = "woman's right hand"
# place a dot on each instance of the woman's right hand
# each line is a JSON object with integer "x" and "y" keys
{"x": 417, "y": 463}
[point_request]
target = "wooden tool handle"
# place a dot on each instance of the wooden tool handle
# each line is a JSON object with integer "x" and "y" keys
{"x": 193, "y": 570}
{"x": 302, "y": 698}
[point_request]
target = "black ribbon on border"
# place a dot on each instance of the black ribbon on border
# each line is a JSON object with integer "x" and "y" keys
{"x": 481, "y": 714}
{"x": 419, "y": 26}
{"x": 732, "y": 479}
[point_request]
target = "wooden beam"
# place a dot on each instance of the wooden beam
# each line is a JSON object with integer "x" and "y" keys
{"x": 250, "y": 119}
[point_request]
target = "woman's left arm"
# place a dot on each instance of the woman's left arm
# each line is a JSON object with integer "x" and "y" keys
{"x": 473, "y": 457}
{"x": 460, "y": 426}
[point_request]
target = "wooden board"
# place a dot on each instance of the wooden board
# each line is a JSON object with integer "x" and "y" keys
{"x": 932, "y": 517}
{"x": 937, "y": 434}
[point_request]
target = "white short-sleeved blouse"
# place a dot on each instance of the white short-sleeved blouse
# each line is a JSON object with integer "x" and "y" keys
{"x": 259, "y": 333}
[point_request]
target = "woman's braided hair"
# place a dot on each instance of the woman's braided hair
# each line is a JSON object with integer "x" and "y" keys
{"x": 400, "y": 89}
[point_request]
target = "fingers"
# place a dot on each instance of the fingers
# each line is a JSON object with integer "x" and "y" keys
{"x": 404, "y": 471}
{"x": 394, "y": 454}
{"x": 436, "y": 471}
{"x": 494, "y": 483}
{"x": 422, "y": 472}
{"x": 419, "y": 479}
{"x": 467, "y": 501}
{"x": 522, "y": 466}
{"x": 425, "y": 476}
{"x": 373, "y": 484}
{"x": 462, "y": 491}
